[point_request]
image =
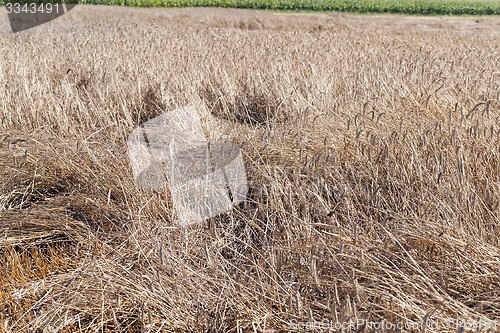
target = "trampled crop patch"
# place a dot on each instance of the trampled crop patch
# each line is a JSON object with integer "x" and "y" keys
{"x": 371, "y": 154}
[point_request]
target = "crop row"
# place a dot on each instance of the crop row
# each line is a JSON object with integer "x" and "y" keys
{"x": 416, "y": 7}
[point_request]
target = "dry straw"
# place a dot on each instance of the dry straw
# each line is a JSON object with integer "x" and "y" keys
{"x": 371, "y": 146}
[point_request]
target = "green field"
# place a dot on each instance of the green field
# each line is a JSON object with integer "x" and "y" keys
{"x": 415, "y": 7}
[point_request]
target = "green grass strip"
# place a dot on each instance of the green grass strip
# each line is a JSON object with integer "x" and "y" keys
{"x": 412, "y": 7}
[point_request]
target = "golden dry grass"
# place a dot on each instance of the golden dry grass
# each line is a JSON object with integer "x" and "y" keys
{"x": 371, "y": 145}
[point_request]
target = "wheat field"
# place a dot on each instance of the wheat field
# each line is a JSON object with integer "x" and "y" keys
{"x": 372, "y": 149}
